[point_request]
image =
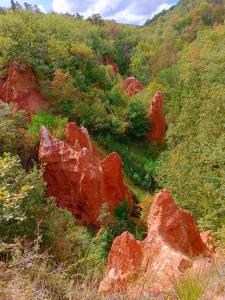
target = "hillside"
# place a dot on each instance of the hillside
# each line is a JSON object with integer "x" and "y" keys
{"x": 112, "y": 155}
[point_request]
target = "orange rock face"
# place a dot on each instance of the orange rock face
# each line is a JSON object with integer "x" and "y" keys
{"x": 76, "y": 181}
{"x": 20, "y": 88}
{"x": 172, "y": 246}
{"x": 131, "y": 86}
{"x": 157, "y": 119}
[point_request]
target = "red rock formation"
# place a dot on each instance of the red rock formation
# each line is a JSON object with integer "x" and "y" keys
{"x": 157, "y": 119}
{"x": 78, "y": 138}
{"x": 20, "y": 88}
{"x": 172, "y": 246}
{"x": 76, "y": 181}
{"x": 109, "y": 62}
{"x": 131, "y": 86}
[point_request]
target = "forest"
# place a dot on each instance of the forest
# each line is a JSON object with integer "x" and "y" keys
{"x": 80, "y": 68}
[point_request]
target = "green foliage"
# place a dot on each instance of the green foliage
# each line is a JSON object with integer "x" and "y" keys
{"x": 96, "y": 19}
{"x": 14, "y": 137}
{"x": 115, "y": 96}
{"x": 22, "y": 199}
{"x": 139, "y": 160}
{"x": 62, "y": 238}
{"x": 140, "y": 64}
{"x": 182, "y": 53}
{"x": 137, "y": 116}
{"x": 67, "y": 54}
{"x": 55, "y": 124}
{"x": 192, "y": 81}
{"x": 194, "y": 167}
{"x": 205, "y": 13}
{"x": 122, "y": 211}
{"x": 114, "y": 224}
{"x": 181, "y": 24}
{"x": 11, "y": 199}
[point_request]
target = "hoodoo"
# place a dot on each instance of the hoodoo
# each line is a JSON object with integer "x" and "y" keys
{"x": 20, "y": 89}
{"x": 172, "y": 246}
{"x": 156, "y": 119}
{"x": 76, "y": 181}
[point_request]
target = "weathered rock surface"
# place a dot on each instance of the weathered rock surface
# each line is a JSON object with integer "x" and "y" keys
{"x": 157, "y": 119}
{"x": 76, "y": 181}
{"x": 20, "y": 88}
{"x": 131, "y": 86}
{"x": 172, "y": 246}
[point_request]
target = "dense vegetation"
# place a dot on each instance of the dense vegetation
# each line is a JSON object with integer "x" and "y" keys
{"x": 180, "y": 52}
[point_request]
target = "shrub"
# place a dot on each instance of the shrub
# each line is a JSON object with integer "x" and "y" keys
{"x": 21, "y": 197}
{"x": 63, "y": 92}
{"x": 190, "y": 286}
{"x": 14, "y": 137}
{"x": 137, "y": 117}
{"x": 55, "y": 124}
{"x": 193, "y": 168}
{"x": 116, "y": 96}
{"x": 140, "y": 161}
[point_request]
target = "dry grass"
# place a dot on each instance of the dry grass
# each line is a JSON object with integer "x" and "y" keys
{"x": 216, "y": 286}
{"x": 33, "y": 276}
{"x": 204, "y": 283}
{"x": 190, "y": 286}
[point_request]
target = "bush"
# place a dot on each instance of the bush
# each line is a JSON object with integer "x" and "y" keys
{"x": 138, "y": 121}
{"x": 21, "y": 198}
{"x": 193, "y": 168}
{"x": 190, "y": 286}
{"x": 14, "y": 137}
{"x": 116, "y": 96}
{"x": 140, "y": 161}
{"x": 55, "y": 124}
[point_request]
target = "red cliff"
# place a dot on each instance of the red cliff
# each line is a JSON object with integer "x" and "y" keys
{"x": 131, "y": 86}
{"x": 157, "y": 119}
{"x": 172, "y": 246}
{"x": 20, "y": 88}
{"x": 76, "y": 181}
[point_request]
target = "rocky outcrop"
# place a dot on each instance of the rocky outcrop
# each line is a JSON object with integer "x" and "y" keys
{"x": 20, "y": 88}
{"x": 156, "y": 119}
{"x": 78, "y": 138}
{"x": 172, "y": 246}
{"x": 76, "y": 181}
{"x": 109, "y": 62}
{"x": 131, "y": 86}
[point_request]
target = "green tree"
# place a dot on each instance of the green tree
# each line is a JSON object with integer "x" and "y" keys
{"x": 194, "y": 167}
{"x": 137, "y": 117}
{"x": 14, "y": 137}
{"x": 205, "y": 11}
